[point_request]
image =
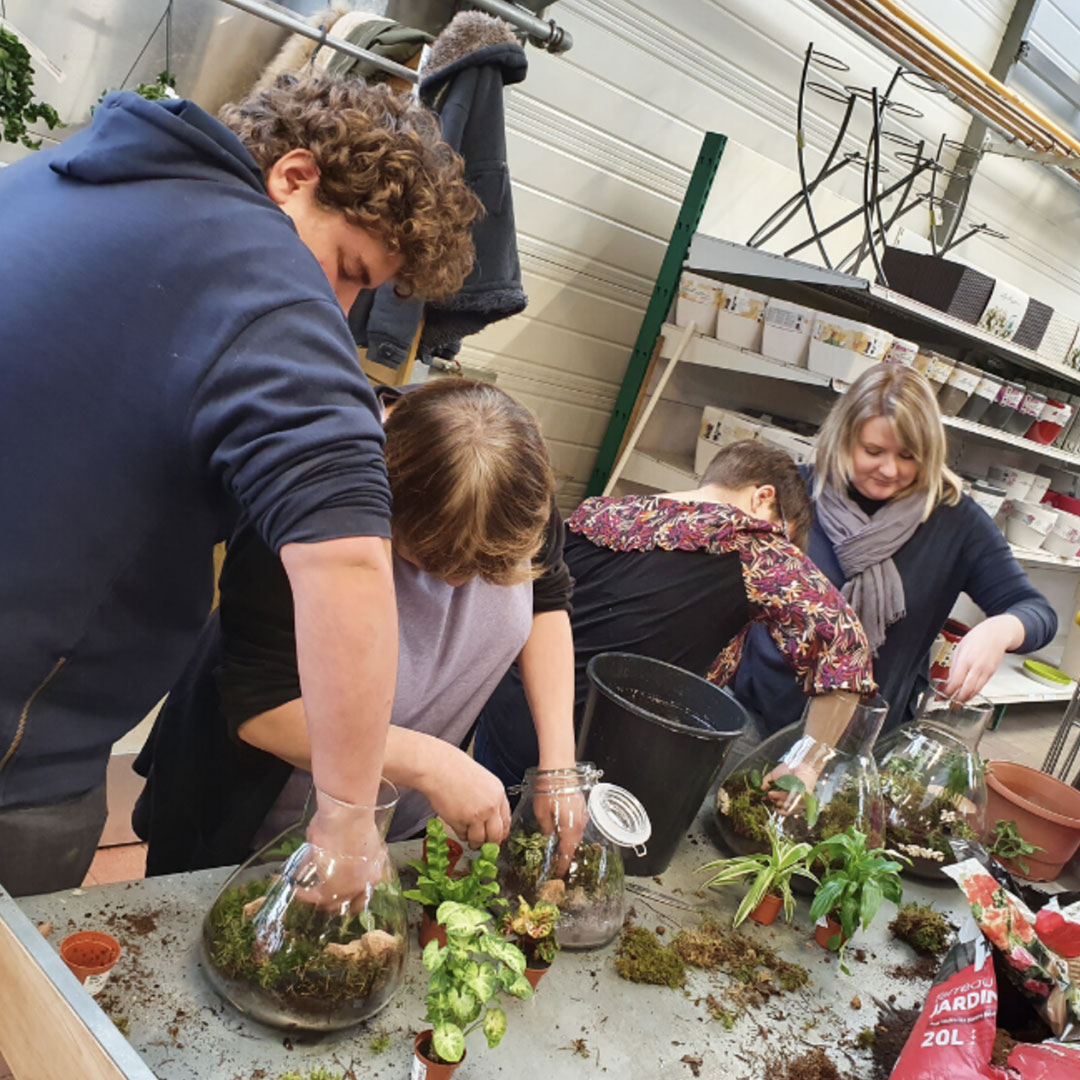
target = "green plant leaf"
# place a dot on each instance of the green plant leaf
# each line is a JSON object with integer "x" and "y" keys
{"x": 504, "y": 951}
{"x": 480, "y": 979}
{"x": 433, "y": 956}
{"x": 462, "y": 1005}
{"x": 448, "y": 1042}
{"x": 494, "y": 1027}
{"x": 869, "y": 902}
{"x": 812, "y": 810}
{"x": 826, "y": 898}
{"x": 520, "y": 987}
{"x": 460, "y": 918}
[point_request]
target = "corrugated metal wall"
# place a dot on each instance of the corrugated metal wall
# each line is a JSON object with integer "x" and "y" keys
{"x": 602, "y": 141}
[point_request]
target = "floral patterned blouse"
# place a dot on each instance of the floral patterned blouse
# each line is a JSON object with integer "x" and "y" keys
{"x": 813, "y": 626}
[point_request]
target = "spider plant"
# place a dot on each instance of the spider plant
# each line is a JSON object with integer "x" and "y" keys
{"x": 771, "y": 871}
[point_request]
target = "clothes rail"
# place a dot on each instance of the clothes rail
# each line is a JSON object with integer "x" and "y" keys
{"x": 542, "y": 32}
{"x": 298, "y": 26}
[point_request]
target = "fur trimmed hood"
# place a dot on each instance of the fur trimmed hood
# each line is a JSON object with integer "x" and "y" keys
{"x": 470, "y": 39}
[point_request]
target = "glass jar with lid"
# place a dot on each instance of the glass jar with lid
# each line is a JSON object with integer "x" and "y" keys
{"x": 305, "y": 940}
{"x": 564, "y": 847}
{"x": 933, "y": 779}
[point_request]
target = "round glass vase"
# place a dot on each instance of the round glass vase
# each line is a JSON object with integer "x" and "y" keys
{"x": 934, "y": 781}
{"x": 846, "y": 792}
{"x": 288, "y": 949}
{"x": 565, "y": 836}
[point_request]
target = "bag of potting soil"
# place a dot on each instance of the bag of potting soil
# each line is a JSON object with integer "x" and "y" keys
{"x": 1040, "y": 973}
{"x": 972, "y": 1020}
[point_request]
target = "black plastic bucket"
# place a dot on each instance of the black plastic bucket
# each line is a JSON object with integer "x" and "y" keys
{"x": 661, "y": 733}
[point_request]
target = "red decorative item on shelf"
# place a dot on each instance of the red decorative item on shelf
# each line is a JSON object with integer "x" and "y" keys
{"x": 1055, "y": 415}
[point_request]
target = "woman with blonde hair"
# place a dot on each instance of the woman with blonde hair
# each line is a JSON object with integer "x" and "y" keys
{"x": 894, "y": 531}
{"x": 480, "y": 583}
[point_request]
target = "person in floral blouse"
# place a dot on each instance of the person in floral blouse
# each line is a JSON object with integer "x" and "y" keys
{"x": 681, "y": 577}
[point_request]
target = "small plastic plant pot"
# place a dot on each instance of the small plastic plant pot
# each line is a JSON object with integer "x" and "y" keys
{"x": 535, "y": 974}
{"x": 423, "y": 1068}
{"x": 430, "y": 929}
{"x": 824, "y": 934}
{"x": 90, "y": 956}
{"x": 765, "y": 913}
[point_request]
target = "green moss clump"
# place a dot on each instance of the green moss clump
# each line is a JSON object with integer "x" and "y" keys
{"x": 749, "y": 814}
{"x": 379, "y": 1044}
{"x": 865, "y": 1039}
{"x": 923, "y": 928}
{"x": 641, "y": 958}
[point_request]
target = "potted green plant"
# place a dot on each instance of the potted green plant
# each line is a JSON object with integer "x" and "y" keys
{"x": 1010, "y": 848}
{"x": 434, "y": 885}
{"x": 850, "y": 893}
{"x": 533, "y": 927}
{"x": 772, "y": 872}
{"x": 17, "y": 105}
{"x": 467, "y": 977}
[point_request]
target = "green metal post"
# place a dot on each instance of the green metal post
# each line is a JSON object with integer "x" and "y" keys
{"x": 667, "y": 281}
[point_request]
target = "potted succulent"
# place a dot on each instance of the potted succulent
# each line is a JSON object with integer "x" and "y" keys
{"x": 434, "y": 886}
{"x": 533, "y": 927}
{"x": 850, "y": 893}
{"x": 467, "y": 976}
{"x": 772, "y": 872}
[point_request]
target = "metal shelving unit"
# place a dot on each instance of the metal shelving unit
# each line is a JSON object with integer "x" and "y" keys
{"x": 827, "y": 290}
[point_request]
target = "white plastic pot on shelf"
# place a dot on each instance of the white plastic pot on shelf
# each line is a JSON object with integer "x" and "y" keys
{"x": 1029, "y": 524}
{"x": 1064, "y": 538}
{"x": 696, "y": 302}
{"x": 843, "y": 349}
{"x": 739, "y": 316}
{"x": 902, "y": 352}
{"x": 1039, "y": 487}
{"x": 786, "y": 331}
{"x": 1016, "y": 482}
{"x": 799, "y": 447}
{"x": 718, "y": 428}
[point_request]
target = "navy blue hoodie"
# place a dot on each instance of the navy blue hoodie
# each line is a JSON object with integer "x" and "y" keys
{"x": 172, "y": 357}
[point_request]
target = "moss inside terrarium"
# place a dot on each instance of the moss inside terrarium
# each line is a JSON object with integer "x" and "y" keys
{"x": 322, "y": 960}
{"x": 746, "y": 805}
{"x": 921, "y": 819}
{"x": 591, "y": 876}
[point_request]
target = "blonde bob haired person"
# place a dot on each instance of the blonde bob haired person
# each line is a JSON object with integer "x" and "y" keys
{"x": 480, "y": 582}
{"x": 893, "y": 530}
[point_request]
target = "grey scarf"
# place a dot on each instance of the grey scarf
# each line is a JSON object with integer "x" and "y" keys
{"x": 865, "y": 546}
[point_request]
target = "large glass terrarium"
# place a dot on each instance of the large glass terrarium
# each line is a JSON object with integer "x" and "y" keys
{"x": 817, "y": 777}
{"x": 933, "y": 779}
{"x": 294, "y": 942}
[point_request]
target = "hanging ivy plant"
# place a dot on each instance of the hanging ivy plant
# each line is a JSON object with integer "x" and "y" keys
{"x": 17, "y": 105}
{"x": 164, "y": 86}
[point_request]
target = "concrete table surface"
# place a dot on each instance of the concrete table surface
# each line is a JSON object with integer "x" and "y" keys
{"x": 183, "y": 1030}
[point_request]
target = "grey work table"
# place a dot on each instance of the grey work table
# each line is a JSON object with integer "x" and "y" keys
{"x": 182, "y": 1030}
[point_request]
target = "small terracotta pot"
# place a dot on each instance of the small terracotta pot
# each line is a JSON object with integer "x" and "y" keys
{"x": 426, "y": 1069}
{"x": 454, "y": 851}
{"x": 430, "y": 930}
{"x": 765, "y": 913}
{"x": 1046, "y": 812}
{"x": 90, "y": 955}
{"x": 823, "y": 934}
{"x": 536, "y": 971}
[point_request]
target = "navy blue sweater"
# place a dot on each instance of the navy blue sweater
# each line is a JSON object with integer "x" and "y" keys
{"x": 958, "y": 549}
{"x": 173, "y": 358}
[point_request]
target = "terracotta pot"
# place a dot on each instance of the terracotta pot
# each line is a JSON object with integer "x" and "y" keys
{"x": 423, "y": 1067}
{"x": 430, "y": 930}
{"x": 766, "y": 912}
{"x": 454, "y": 849}
{"x": 822, "y": 934}
{"x": 1046, "y": 812}
{"x": 90, "y": 955}
{"x": 536, "y": 971}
